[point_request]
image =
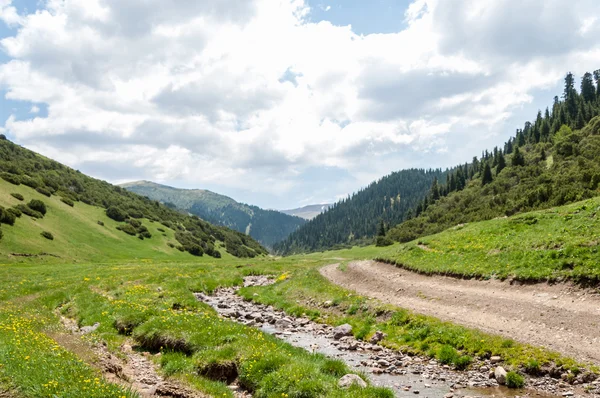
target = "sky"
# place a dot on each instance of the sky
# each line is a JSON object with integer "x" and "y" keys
{"x": 281, "y": 103}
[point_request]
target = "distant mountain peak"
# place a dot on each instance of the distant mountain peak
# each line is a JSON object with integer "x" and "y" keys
{"x": 308, "y": 212}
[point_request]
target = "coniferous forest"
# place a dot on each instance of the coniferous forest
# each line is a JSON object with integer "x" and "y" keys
{"x": 552, "y": 160}
{"x": 357, "y": 217}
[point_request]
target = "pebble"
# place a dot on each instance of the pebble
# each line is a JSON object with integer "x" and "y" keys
{"x": 484, "y": 373}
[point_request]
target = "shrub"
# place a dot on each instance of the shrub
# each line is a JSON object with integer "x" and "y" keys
{"x": 16, "y": 212}
{"x": 136, "y": 214}
{"x": 101, "y": 223}
{"x": 29, "y": 211}
{"x": 6, "y": 217}
{"x": 194, "y": 249}
{"x": 44, "y": 191}
{"x": 171, "y": 245}
{"x": 128, "y": 229}
{"x": 12, "y": 178}
{"x": 38, "y": 206}
{"x": 30, "y": 182}
{"x": 160, "y": 229}
{"x": 116, "y": 214}
{"x": 146, "y": 234}
{"x": 67, "y": 201}
{"x": 383, "y": 241}
{"x": 135, "y": 223}
{"x": 17, "y": 196}
{"x": 514, "y": 380}
{"x": 47, "y": 235}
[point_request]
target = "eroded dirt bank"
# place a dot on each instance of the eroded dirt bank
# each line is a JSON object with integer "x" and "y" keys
{"x": 560, "y": 317}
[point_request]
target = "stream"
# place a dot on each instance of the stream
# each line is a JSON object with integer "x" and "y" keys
{"x": 405, "y": 375}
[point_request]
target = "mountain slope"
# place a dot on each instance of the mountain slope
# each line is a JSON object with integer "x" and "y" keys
{"x": 87, "y": 219}
{"x": 357, "y": 217}
{"x": 266, "y": 226}
{"x": 308, "y": 212}
{"x": 552, "y": 161}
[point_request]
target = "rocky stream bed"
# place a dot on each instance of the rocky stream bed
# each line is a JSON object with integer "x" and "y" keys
{"x": 406, "y": 375}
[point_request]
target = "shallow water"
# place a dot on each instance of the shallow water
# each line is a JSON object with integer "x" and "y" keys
{"x": 425, "y": 387}
{"x": 426, "y": 384}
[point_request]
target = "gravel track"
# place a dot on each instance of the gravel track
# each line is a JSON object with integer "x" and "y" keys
{"x": 561, "y": 317}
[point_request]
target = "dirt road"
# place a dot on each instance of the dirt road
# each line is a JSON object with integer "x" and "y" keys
{"x": 560, "y": 317}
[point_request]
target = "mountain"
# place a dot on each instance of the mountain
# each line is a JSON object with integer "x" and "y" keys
{"x": 356, "y": 219}
{"x": 266, "y": 226}
{"x": 48, "y": 209}
{"x": 554, "y": 160}
{"x": 308, "y": 212}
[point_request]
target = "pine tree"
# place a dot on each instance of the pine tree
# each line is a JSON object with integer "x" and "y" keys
{"x": 588, "y": 91}
{"x": 381, "y": 229}
{"x": 435, "y": 190}
{"x": 543, "y": 155}
{"x": 501, "y": 163}
{"x": 517, "y": 158}
{"x": 486, "y": 178}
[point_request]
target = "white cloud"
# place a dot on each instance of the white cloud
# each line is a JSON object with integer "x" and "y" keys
{"x": 34, "y": 109}
{"x": 8, "y": 14}
{"x": 248, "y": 94}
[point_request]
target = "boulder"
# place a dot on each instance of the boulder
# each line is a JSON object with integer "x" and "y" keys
{"x": 377, "y": 337}
{"x": 500, "y": 375}
{"x": 495, "y": 359}
{"x": 350, "y": 380}
{"x": 283, "y": 323}
{"x": 341, "y": 331}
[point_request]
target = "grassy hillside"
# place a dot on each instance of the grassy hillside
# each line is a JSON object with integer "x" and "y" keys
{"x": 86, "y": 219}
{"x": 77, "y": 233}
{"x": 559, "y": 243}
{"x": 552, "y": 161}
{"x": 266, "y": 226}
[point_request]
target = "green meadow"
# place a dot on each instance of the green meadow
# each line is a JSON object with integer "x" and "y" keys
{"x": 141, "y": 292}
{"x": 556, "y": 244}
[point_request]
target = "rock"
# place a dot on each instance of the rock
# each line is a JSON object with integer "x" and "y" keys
{"x": 341, "y": 331}
{"x": 327, "y": 303}
{"x": 283, "y": 323}
{"x": 568, "y": 394}
{"x": 383, "y": 363}
{"x": 377, "y": 337}
{"x": 350, "y": 380}
{"x": 500, "y": 375}
{"x": 89, "y": 329}
{"x": 495, "y": 359}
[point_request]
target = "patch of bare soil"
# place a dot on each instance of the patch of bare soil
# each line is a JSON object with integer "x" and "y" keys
{"x": 560, "y": 317}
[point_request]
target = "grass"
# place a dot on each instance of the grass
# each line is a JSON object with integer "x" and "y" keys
{"x": 142, "y": 291}
{"x": 153, "y": 304}
{"x": 549, "y": 245}
{"x": 77, "y": 235}
{"x": 305, "y": 291}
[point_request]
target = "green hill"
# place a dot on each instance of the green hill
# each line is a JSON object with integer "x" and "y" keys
{"x": 356, "y": 219}
{"x": 552, "y": 161}
{"x": 266, "y": 226}
{"x": 91, "y": 220}
{"x": 559, "y": 243}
